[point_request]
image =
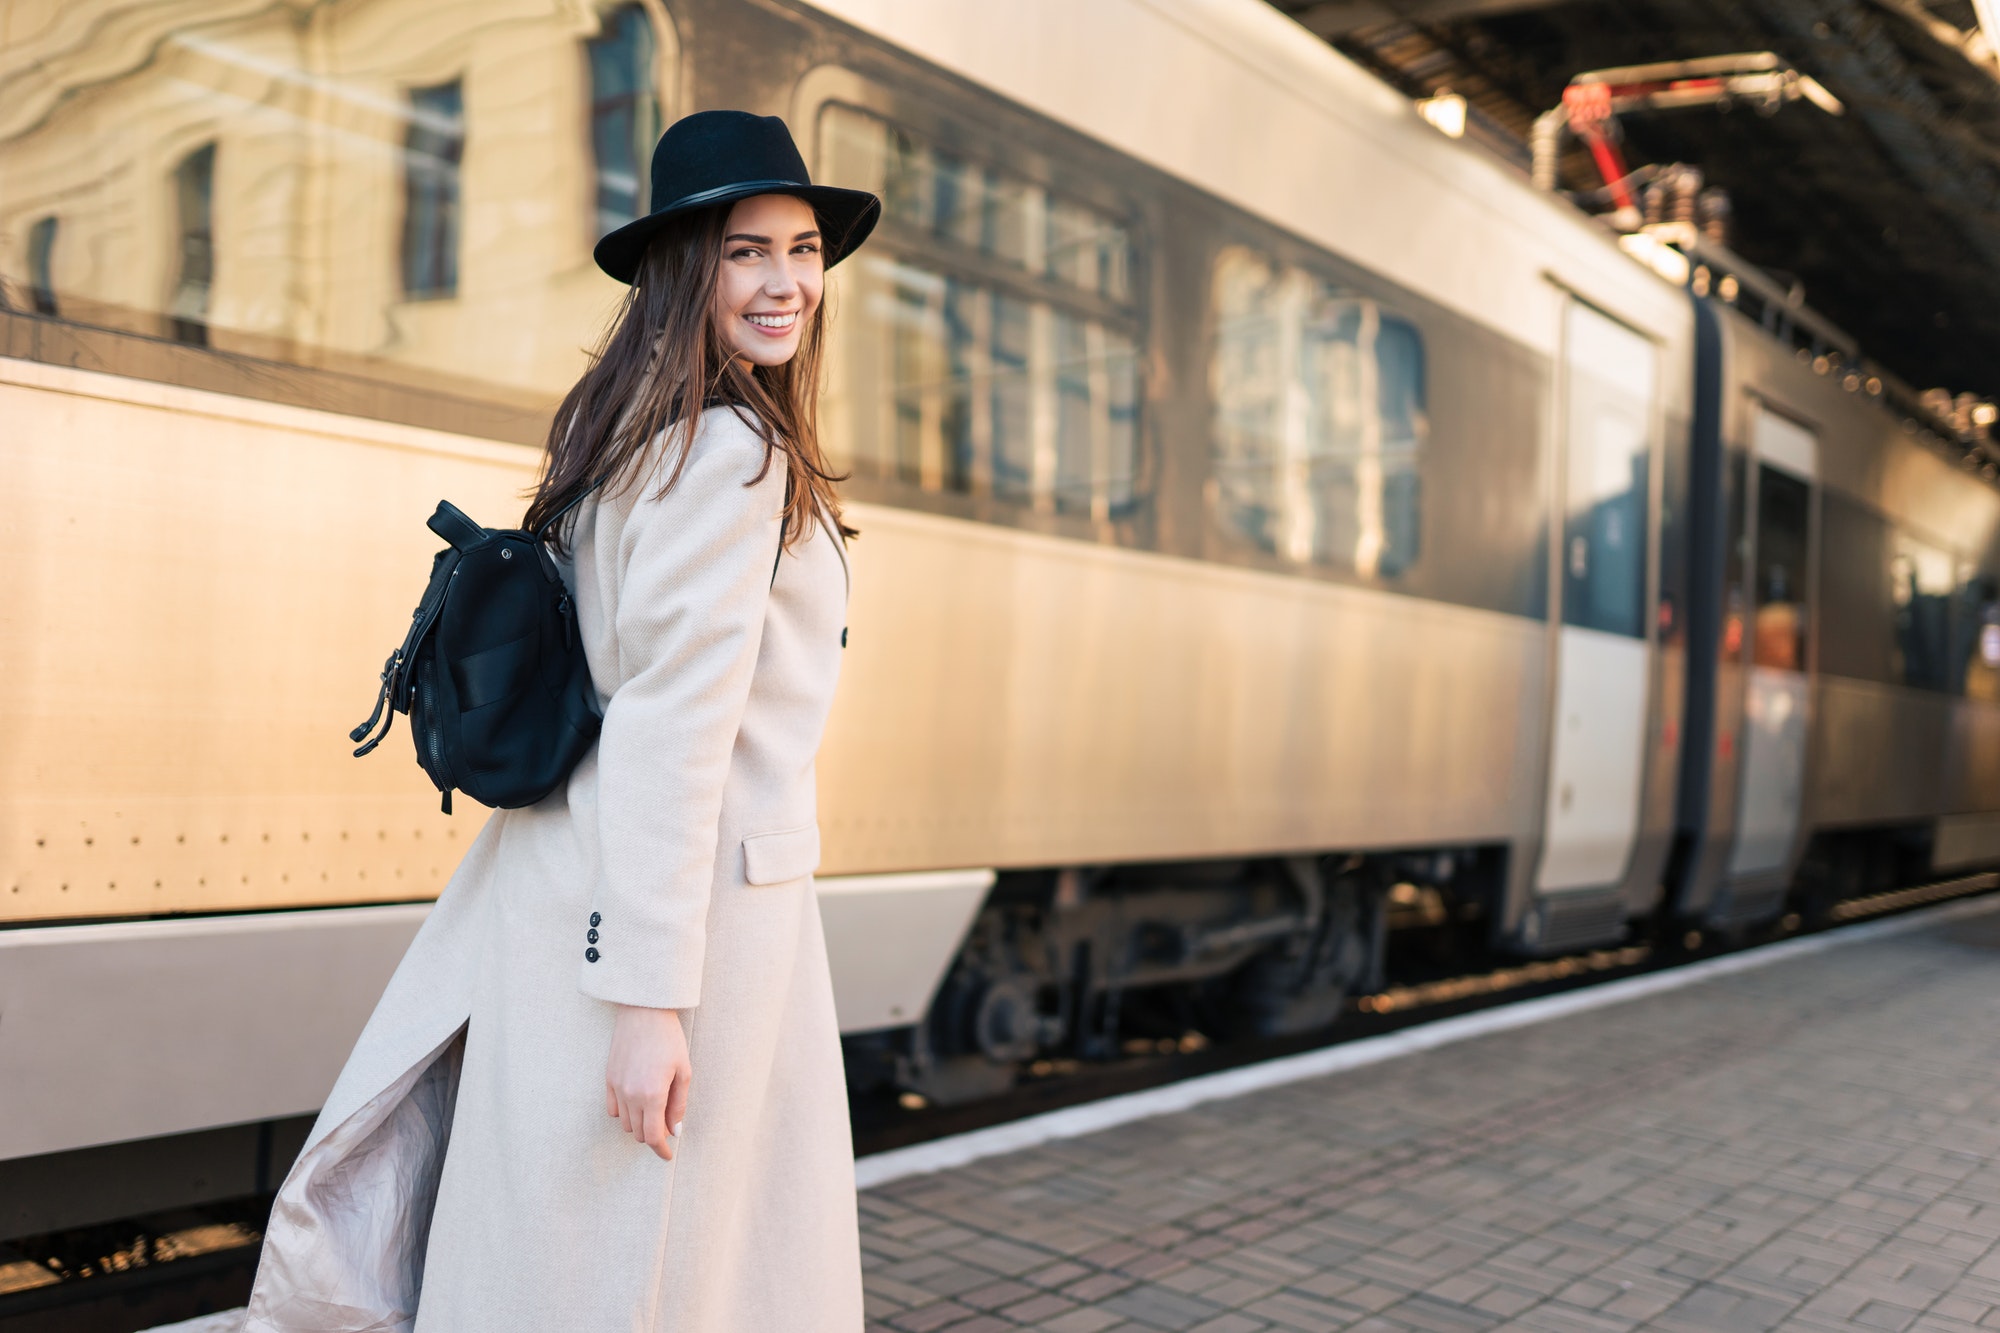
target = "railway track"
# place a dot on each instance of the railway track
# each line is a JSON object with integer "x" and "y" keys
{"x": 134, "y": 1275}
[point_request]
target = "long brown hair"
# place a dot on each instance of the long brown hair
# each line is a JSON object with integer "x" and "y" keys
{"x": 660, "y": 363}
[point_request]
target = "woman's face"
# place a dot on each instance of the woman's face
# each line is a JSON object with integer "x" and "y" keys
{"x": 771, "y": 277}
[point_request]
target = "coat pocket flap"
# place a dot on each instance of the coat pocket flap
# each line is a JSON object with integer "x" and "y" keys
{"x": 778, "y": 858}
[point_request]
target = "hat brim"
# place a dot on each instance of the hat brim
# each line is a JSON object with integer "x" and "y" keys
{"x": 845, "y": 219}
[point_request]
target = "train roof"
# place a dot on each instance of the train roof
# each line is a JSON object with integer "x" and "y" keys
{"x": 1235, "y": 99}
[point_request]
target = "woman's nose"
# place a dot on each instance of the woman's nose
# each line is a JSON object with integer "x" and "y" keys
{"x": 781, "y": 281}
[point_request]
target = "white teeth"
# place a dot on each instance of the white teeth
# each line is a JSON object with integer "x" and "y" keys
{"x": 772, "y": 321}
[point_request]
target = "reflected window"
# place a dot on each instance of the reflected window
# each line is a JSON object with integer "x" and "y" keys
{"x": 1320, "y": 418}
{"x": 624, "y": 115}
{"x": 1013, "y": 380}
{"x": 338, "y": 184}
{"x": 41, "y": 266}
{"x": 433, "y": 147}
{"x": 1920, "y": 586}
{"x": 1782, "y": 532}
{"x": 194, "y": 205}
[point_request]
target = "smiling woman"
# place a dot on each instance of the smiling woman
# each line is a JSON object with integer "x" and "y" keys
{"x": 654, "y": 918}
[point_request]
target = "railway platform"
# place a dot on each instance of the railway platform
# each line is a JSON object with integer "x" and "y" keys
{"x": 1809, "y": 1144}
{"x": 1803, "y": 1137}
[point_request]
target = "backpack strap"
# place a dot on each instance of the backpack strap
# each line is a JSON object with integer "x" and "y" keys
{"x": 393, "y": 697}
{"x": 390, "y": 670}
{"x": 542, "y": 533}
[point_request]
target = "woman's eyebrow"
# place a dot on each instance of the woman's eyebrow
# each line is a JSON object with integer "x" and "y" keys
{"x": 765, "y": 240}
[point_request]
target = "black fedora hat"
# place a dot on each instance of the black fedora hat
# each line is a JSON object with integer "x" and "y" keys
{"x": 718, "y": 157}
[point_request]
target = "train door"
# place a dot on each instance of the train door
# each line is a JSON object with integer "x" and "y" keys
{"x": 1772, "y": 786}
{"x": 1597, "y": 752}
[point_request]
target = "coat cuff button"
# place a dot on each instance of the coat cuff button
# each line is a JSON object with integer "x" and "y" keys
{"x": 597, "y": 918}
{"x": 590, "y": 955}
{"x": 590, "y": 935}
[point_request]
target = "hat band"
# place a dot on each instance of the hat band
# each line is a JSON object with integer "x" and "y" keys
{"x": 735, "y": 190}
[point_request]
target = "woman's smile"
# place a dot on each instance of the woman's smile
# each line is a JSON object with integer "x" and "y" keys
{"x": 774, "y": 321}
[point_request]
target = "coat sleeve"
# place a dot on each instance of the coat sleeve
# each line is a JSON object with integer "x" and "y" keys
{"x": 691, "y": 602}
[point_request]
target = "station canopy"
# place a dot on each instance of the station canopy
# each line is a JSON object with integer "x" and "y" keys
{"x": 1888, "y": 213}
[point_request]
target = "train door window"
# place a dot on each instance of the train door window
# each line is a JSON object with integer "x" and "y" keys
{"x": 1976, "y": 626}
{"x": 624, "y": 114}
{"x": 1920, "y": 585}
{"x": 1735, "y": 559}
{"x": 1320, "y": 418}
{"x": 1783, "y": 517}
{"x": 194, "y": 207}
{"x": 987, "y": 344}
{"x": 1607, "y": 446}
{"x": 433, "y": 147}
{"x": 41, "y": 265}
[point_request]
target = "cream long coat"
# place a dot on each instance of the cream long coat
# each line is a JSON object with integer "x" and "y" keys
{"x": 464, "y": 1176}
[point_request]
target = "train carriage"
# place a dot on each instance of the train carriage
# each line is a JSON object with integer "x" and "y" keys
{"x": 1275, "y": 514}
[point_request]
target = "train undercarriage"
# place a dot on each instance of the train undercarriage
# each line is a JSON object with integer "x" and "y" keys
{"x": 1089, "y": 964}
{"x": 1086, "y": 965}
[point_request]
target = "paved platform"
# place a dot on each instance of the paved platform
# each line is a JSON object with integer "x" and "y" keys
{"x": 1809, "y": 1145}
{"x": 1805, "y": 1145}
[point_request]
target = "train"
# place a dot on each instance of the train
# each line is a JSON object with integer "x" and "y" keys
{"x": 1282, "y": 527}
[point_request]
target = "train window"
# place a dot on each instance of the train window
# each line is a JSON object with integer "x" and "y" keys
{"x": 940, "y": 195}
{"x": 952, "y": 376}
{"x": 1857, "y": 615}
{"x": 1779, "y": 639}
{"x": 1735, "y": 559}
{"x": 624, "y": 114}
{"x": 1320, "y": 418}
{"x": 194, "y": 204}
{"x": 41, "y": 265}
{"x": 1976, "y": 630}
{"x": 1920, "y": 586}
{"x": 433, "y": 147}
{"x": 1609, "y": 390}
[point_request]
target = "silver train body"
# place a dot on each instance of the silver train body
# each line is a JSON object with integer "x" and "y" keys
{"x": 1306, "y": 530}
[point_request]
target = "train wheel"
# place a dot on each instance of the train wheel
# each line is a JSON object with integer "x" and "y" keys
{"x": 1302, "y": 985}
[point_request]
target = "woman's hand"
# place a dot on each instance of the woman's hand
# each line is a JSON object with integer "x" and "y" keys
{"x": 646, "y": 1077}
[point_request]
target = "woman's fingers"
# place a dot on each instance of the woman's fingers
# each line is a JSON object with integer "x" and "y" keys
{"x": 677, "y": 1098}
{"x": 610, "y": 1100}
{"x": 652, "y": 1126}
{"x": 656, "y": 1133}
{"x": 643, "y": 1115}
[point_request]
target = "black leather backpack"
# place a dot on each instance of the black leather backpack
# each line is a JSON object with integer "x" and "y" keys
{"x": 492, "y": 672}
